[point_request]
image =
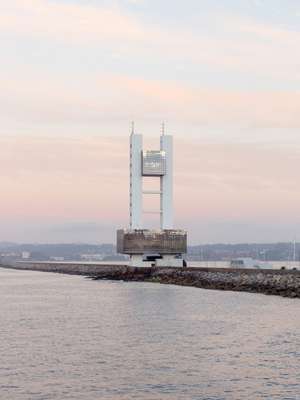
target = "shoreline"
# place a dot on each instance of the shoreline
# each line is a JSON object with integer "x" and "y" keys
{"x": 285, "y": 283}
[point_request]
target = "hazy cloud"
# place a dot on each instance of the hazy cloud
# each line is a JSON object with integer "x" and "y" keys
{"x": 36, "y": 100}
{"x": 62, "y": 180}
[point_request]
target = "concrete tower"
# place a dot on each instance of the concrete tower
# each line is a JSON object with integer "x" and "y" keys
{"x": 151, "y": 163}
{"x": 165, "y": 245}
{"x": 166, "y": 183}
{"x": 136, "y": 181}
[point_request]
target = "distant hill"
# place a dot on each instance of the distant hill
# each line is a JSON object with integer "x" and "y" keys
{"x": 260, "y": 251}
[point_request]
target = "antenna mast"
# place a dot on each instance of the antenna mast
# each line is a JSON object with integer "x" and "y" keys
{"x": 132, "y": 127}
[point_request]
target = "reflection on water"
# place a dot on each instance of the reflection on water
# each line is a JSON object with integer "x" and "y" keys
{"x": 66, "y": 337}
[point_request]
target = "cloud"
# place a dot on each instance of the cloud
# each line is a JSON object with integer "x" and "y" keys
{"x": 267, "y": 31}
{"x": 232, "y": 42}
{"x": 67, "y": 22}
{"x": 53, "y": 184}
{"x": 62, "y": 177}
{"x": 85, "y": 178}
{"x": 39, "y": 100}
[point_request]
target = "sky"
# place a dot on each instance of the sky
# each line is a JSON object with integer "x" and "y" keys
{"x": 223, "y": 75}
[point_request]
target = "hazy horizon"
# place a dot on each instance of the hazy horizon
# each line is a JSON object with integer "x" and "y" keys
{"x": 224, "y": 78}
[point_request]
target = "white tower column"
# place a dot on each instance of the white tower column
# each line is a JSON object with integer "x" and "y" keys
{"x": 166, "y": 184}
{"x": 162, "y": 247}
{"x": 136, "y": 181}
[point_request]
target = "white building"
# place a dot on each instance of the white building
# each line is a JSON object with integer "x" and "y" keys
{"x": 25, "y": 255}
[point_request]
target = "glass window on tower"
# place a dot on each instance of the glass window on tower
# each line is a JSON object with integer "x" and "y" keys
{"x": 153, "y": 163}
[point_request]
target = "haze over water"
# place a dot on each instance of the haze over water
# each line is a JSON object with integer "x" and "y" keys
{"x": 66, "y": 337}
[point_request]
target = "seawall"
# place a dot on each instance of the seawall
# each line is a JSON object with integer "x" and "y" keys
{"x": 274, "y": 282}
{"x": 71, "y": 268}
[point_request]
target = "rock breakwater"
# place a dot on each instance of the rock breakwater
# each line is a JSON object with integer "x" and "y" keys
{"x": 273, "y": 282}
{"x": 281, "y": 283}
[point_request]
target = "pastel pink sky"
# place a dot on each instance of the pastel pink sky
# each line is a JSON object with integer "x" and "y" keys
{"x": 225, "y": 78}
{"x": 86, "y": 179}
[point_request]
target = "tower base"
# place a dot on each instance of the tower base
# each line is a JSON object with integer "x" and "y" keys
{"x": 137, "y": 260}
{"x": 163, "y": 248}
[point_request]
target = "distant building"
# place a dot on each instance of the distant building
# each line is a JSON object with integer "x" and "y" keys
{"x": 25, "y": 255}
{"x": 10, "y": 254}
{"x": 92, "y": 257}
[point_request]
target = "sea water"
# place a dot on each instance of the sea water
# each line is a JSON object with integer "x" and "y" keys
{"x": 68, "y": 337}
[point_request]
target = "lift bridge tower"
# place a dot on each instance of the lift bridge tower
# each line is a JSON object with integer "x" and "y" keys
{"x": 164, "y": 246}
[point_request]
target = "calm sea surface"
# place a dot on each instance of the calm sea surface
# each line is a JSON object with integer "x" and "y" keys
{"x": 66, "y": 337}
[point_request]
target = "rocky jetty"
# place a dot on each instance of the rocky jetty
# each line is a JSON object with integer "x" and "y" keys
{"x": 273, "y": 282}
{"x": 281, "y": 283}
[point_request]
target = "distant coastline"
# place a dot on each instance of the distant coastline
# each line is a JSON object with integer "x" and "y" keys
{"x": 218, "y": 252}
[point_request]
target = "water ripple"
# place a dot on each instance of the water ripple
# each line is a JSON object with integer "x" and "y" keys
{"x": 65, "y": 337}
